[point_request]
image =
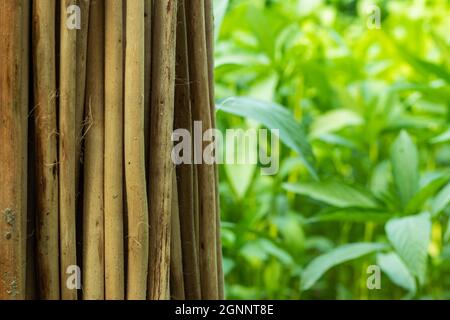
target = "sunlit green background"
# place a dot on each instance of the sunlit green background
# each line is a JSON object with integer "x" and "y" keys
{"x": 373, "y": 107}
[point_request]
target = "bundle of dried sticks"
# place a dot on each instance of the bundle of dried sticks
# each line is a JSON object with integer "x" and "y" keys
{"x": 92, "y": 205}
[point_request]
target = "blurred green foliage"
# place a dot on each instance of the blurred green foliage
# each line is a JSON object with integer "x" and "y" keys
{"x": 373, "y": 104}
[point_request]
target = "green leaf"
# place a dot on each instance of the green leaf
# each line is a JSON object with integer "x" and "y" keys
{"x": 410, "y": 236}
{"x": 434, "y": 182}
{"x": 442, "y": 200}
{"x": 444, "y": 137}
{"x": 333, "y": 193}
{"x": 353, "y": 215}
{"x": 325, "y": 262}
{"x": 396, "y": 270}
{"x": 405, "y": 167}
{"x": 335, "y": 120}
{"x": 273, "y": 116}
{"x": 220, "y": 8}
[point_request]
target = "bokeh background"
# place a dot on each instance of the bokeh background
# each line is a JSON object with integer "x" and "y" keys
{"x": 364, "y": 179}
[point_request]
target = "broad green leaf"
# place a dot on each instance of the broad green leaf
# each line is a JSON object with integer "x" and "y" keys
{"x": 444, "y": 137}
{"x": 429, "y": 188}
{"x": 405, "y": 167}
{"x": 325, "y": 262}
{"x": 333, "y": 121}
{"x": 396, "y": 270}
{"x": 273, "y": 116}
{"x": 410, "y": 236}
{"x": 442, "y": 200}
{"x": 352, "y": 215}
{"x": 220, "y": 8}
{"x": 333, "y": 193}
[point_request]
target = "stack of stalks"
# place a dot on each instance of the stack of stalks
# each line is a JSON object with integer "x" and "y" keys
{"x": 92, "y": 205}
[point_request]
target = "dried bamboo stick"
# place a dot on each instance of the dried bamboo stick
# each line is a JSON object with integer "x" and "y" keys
{"x": 209, "y": 19}
{"x": 148, "y": 79}
{"x": 13, "y": 153}
{"x": 93, "y": 233}
{"x": 67, "y": 145}
{"x": 114, "y": 255}
{"x": 176, "y": 257}
{"x": 161, "y": 167}
{"x": 201, "y": 112}
{"x": 46, "y": 148}
{"x": 183, "y": 120}
{"x": 82, "y": 39}
{"x": 135, "y": 152}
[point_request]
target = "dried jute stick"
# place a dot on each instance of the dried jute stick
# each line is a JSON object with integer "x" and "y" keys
{"x": 135, "y": 152}
{"x": 93, "y": 215}
{"x": 114, "y": 64}
{"x": 13, "y": 152}
{"x": 44, "y": 60}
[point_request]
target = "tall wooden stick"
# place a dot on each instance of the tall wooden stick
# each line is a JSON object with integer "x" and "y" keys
{"x": 93, "y": 233}
{"x": 198, "y": 61}
{"x": 209, "y": 19}
{"x": 135, "y": 152}
{"x": 177, "y": 291}
{"x": 46, "y": 147}
{"x": 185, "y": 174}
{"x": 82, "y": 40}
{"x": 148, "y": 79}
{"x": 114, "y": 258}
{"x": 67, "y": 145}
{"x": 13, "y": 153}
{"x": 161, "y": 166}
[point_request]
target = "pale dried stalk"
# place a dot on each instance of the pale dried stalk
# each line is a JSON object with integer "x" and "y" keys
{"x": 82, "y": 39}
{"x": 93, "y": 233}
{"x": 67, "y": 145}
{"x": 177, "y": 291}
{"x": 46, "y": 148}
{"x": 183, "y": 120}
{"x": 161, "y": 167}
{"x": 148, "y": 79}
{"x": 135, "y": 152}
{"x": 198, "y": 61}
{"x": 13, "y": 153}
{"x": 114, "y": 251}
{"x": 209, "y": 19}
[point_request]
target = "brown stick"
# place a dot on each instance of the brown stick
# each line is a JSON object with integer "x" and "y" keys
{"x": 209, "y": 18}
{"x": 135, "y": 152}
{"x": 148, "y": 80}
{"x": 82, "y": 39}
{"x": 176, "y": 260}
{"x": 201, "y": 111}
{"x": 161, "y": 167}
{"x": 13, "y": 153}
{"x": 183, "y": 120}
{"x": 67, "y": 145}
{"x": 93, "y": 246}
{"x": 114, "y": 256}
{"x": 46, "y": 148}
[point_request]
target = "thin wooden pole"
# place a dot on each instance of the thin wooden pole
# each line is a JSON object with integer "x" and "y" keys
{"x": 135, "y": 152}
{"x": 46, "y": 148}
{"x": 177, "y": 290}
{"x": 185, "y": 174}
{"x": 198, "y": 61}
{"x": 93, "y": 220}
{"x": 161, "y": 166}
{"x": 148, "y": 80}
{"x": 67, "y": 146}
{"x": 14, "y": 52}
{"x": 82, "y": 40}
{"x": 209, "y": 23}
{"x": 114, "y": 252}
